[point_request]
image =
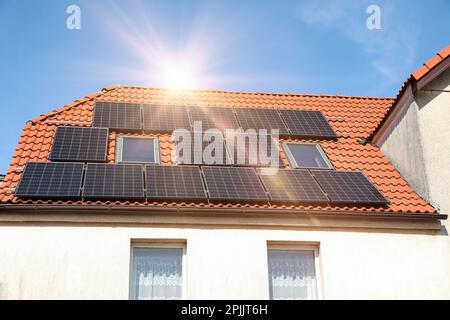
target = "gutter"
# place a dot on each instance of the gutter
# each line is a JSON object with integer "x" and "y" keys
{"x": 116, "y": 209}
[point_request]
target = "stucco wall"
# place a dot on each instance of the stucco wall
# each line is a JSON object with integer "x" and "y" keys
{"x": 434, "y": 121}
{"x": 87, "y": 262}
{"x": 418, "y": 143}
{"x": 402, "y": 145}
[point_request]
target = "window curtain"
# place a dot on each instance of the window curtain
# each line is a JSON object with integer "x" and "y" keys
{"x": 292, "y": 275}
{"x": 157, "y": 273}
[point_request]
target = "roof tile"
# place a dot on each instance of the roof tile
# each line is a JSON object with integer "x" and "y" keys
{"x": 433, "y": 61}
{"x": 419, "y": 73}
{"x": 444, "y": 53}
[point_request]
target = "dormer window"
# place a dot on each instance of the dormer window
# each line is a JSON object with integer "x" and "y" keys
{"x": 137, "y": 150}
{"x": 306, "y": 155}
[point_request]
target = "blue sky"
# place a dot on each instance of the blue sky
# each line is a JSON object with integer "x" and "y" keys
{"x": 279, "y": 46}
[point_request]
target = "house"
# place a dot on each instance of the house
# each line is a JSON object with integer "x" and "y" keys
{"x": 94, "y": 204}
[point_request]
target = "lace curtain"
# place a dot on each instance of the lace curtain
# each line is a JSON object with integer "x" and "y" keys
{"x": 157, "y": 273}
{"x": 292, "y": 275}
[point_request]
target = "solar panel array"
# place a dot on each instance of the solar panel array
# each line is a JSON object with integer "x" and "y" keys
{"x": 174, "y": 182}
{"x": 214, "y": 118}
{"x": 233, "y": 184}
{"x": 113, "y": 181}
{"x": 79, "y": 144}
{"x": 293, "y": 122}
{"x": 348, "y": 187}
{"x": 117, "y": 115}
{"x": 293, "y": 186}
{"x": 307, "y": 123}
{"x": 257, "y": 119}
{"x": 165, "y": 118}
{"x": 126, "y": 181}
{"x": 163, "y": 182}
{"x": 51, "y": 179}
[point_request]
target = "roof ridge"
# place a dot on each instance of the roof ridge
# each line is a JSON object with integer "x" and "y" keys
{"x": 252, "y": 92}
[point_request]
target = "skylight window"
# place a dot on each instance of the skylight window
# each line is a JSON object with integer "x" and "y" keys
{"x": 306, "y": 155}
{"x": 137, "y": 150}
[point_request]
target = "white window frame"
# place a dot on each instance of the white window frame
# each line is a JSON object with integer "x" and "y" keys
{"x": 159, "y": 244}
{"x": 119, "y": 148}
{"x": 293, "y": 163}
{"x": 295, "y": 246}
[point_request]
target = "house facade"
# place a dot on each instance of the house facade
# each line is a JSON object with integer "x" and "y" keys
{"x": 358, "y": 212}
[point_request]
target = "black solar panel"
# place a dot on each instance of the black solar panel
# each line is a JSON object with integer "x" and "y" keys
{"x": 51, "y": 179}
{"x": 174, "y": 182}
{"x": 254, "y": 150}
{"x": 113, "y": 181}
{"x": 205, "y": 152}
{"x": 307, "y": 123}
{"x": 293, "y": 186}
{"x": 348, "y": 187}
{"x": 79, "y": 144}
{"x": 117, "y": 115}
{"x": 261, "y": 119}
{"x": 214, "y": 118}
{"x": 231, "y": 183}
{"x": 165, "y": 118}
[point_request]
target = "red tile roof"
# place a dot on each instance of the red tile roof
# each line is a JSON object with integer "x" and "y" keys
{"x": 431, "y": 63}
{"x": 413, "y": 78}
{"x": 352, "y": 117}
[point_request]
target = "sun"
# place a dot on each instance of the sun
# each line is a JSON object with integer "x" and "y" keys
{"x": 178, "y": 76}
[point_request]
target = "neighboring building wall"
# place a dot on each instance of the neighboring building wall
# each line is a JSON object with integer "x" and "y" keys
{"x": 403, "y": 147}
{"x": 418, "y": 144}
{"x": 92, "y": 262}
{"x": 434, "y": 122}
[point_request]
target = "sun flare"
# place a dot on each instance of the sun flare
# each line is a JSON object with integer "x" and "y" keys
{"x": 178, "y": 76}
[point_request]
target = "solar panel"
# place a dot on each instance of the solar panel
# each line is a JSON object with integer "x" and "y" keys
{"x": 261, "y": 119}
{"x": 51, "y": 179}
{"x": 214, "y": 117}
{"x": 165, "y": 118}
{"x": 174, "y": 182}
{"x": 293, "y": 186}
{"x": 307, "y": 123}
{"x": 255, "y": 150}
{"x": 232, "y": 183}
{"x": 113, "y": 181}
{"x": 203, "y": 152}
{"x": 348, "y": 187}
{"x": 79, "y": 144}
{"x": 117, "y": 115}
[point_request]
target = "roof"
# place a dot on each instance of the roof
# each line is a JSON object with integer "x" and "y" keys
{"x": 353, "y": 118}
{"x": 431, "y": 63}
{"x": 417, "y": 75}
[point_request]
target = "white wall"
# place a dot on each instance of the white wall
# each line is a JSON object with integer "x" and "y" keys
{"x": 403, "y": 146}
{"x": 418, "y": 142}
{"x": 92, "y": 262}
{"x": 434, "y": 121}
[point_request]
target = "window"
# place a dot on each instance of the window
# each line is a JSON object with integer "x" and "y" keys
{"x": 306, "y": 155}
{"x": 292, "y": 274}
{"x": 157, "y": 273}
{"x": 137, "y": 149}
